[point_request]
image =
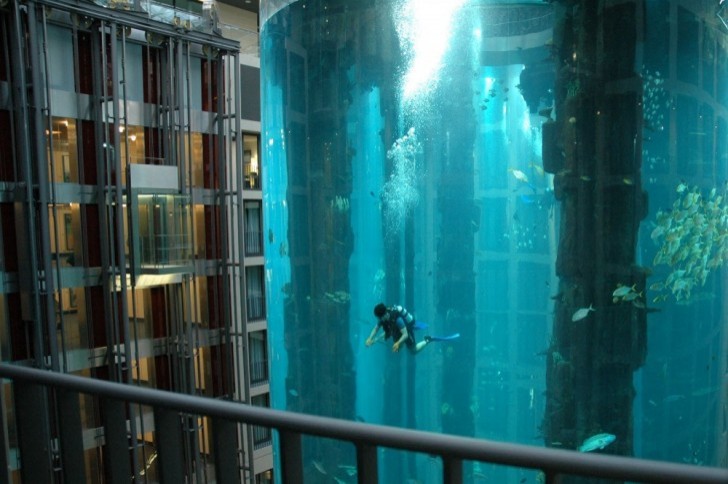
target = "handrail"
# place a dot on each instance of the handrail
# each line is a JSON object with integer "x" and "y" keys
{"x": 367, "y": 437}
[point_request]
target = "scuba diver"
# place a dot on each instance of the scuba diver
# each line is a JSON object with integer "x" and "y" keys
{"x": 399, "y": 324}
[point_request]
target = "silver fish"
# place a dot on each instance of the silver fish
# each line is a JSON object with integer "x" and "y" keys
{"x": 582, "y": 313}
{"x": 598, "y": 441}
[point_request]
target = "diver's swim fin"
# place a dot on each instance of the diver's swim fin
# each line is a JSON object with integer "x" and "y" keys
{"x": 445, "y": 338}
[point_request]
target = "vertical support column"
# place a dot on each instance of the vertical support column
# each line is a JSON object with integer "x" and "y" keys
{"x": 41, "y": 124}
{"x": 170, "y": 444}
{"x": 225, "y": 448}
{"x": 24, "y": 207}
{"x": 116, "y": 449}
{"x": 452, "y": 470}
{"x": 71, "y": 436}
{"x": 5, "y": 473}
{"x": 291, "y": 457}
{"x": 223, "y": 200}
{"x": 366, "y": 464}
{"x": 31, "y": 409}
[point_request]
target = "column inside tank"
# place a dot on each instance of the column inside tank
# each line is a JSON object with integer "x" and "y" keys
{"x": 406, "y": 169}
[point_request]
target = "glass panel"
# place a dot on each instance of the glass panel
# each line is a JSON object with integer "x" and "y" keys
{"x": 251, "y": 162}
{"x": 258, "y": 358}
{"x": 262, "y": 436}
{"x": 253, "y": 229}
{"x": 254, "y": 285}
{"x": 65, "y": 240}
{"x": 62, "y": 151}
{"x": 200, "y": 233}
{"x": 163, "y": 233}
{"x": 198, "y": 173}
{"x": 71, "y": 318}
{"x": 544, "y": 186}
{"x": 132, "y": 146}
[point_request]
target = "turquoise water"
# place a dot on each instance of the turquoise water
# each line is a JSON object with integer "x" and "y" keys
{"x": 410, "y": 169}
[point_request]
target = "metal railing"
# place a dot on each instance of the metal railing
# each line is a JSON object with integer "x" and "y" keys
{"x": 367, "y": 438}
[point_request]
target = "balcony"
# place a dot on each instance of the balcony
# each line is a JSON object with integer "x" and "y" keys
{"x": 62, "y": 458}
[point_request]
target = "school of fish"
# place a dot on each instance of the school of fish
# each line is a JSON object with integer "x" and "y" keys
{"x": 692, "y": 239}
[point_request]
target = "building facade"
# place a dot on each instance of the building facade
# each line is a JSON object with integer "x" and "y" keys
{"x": 130, "y": 215}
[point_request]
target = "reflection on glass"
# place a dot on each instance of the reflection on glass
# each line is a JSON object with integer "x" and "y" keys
{"x": 250, "y": 162}
{"x": 163, "y": 230}
{"x": 564, "y": 212}
{"x": 62, "y": 151}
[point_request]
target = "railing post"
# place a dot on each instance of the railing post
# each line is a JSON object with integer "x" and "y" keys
{"x": 168, "y": 430}
{"x": 116, "y": 442}
{"x": 452, "y": 470}
{"x": 291, "y": 457}
{"x": 225, "y": 447}
{"x": 366, "y": 464}
{"x": 31, "y": 410}
{"x": 71, "y": 436}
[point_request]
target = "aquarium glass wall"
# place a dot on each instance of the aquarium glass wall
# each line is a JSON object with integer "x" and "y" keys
{"x": 542, "y": 185}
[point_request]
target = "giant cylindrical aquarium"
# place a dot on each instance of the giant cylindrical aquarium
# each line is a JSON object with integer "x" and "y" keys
{"x": 542, "y": 185}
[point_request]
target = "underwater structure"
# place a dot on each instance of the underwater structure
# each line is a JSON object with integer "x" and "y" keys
{"x": 593, "y": 148}
{"x": 506, "y": 172}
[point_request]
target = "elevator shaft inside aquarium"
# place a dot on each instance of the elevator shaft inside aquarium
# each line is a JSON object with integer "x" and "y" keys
{"x": 455, "y": 203}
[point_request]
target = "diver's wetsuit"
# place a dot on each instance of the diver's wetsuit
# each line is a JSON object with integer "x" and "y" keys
{"x": 399, "y": 318}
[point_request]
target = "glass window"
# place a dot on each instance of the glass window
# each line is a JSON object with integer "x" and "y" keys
{"x": 164, "y": 239}
{"x": 261, "y": 435}
{"x": 200, "y": 231}
{"x": 62, "y": 154}
{"x": 258, "y": 358}
{"x": 65, "y": 225}
{"x": 251, "y": 161}
{"x": 71, "y": 321}
{"x": 255, "y": 296}
{"x": 253, "y": 230}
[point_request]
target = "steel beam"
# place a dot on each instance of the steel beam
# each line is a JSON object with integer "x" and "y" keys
{"x": 291, "y": 457}
{"x": 225, "y": 449}
{"x": 170, "y": 445}
{"x": 31, "y": 409}
{"x": 117, "y": 462}
{"x": 71, "y": 436}
{"x": 292, "y": 425}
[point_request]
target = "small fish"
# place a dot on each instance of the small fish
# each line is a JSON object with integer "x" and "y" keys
{"x": 622, "y": 290}
{"x": 519, "y": 175}
{"x": 657, "y": 286}
{"x": 582, "y": 313}
{"x": 319, "y": 467}
{"x": 572, "y": 120}
{"x": 293, "y": 392}
{"x": 537, "y": 168}
{"x": 598, "y": 441}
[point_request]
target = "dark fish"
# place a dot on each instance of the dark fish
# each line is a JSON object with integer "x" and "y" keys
{"x": 270, "y": 235}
